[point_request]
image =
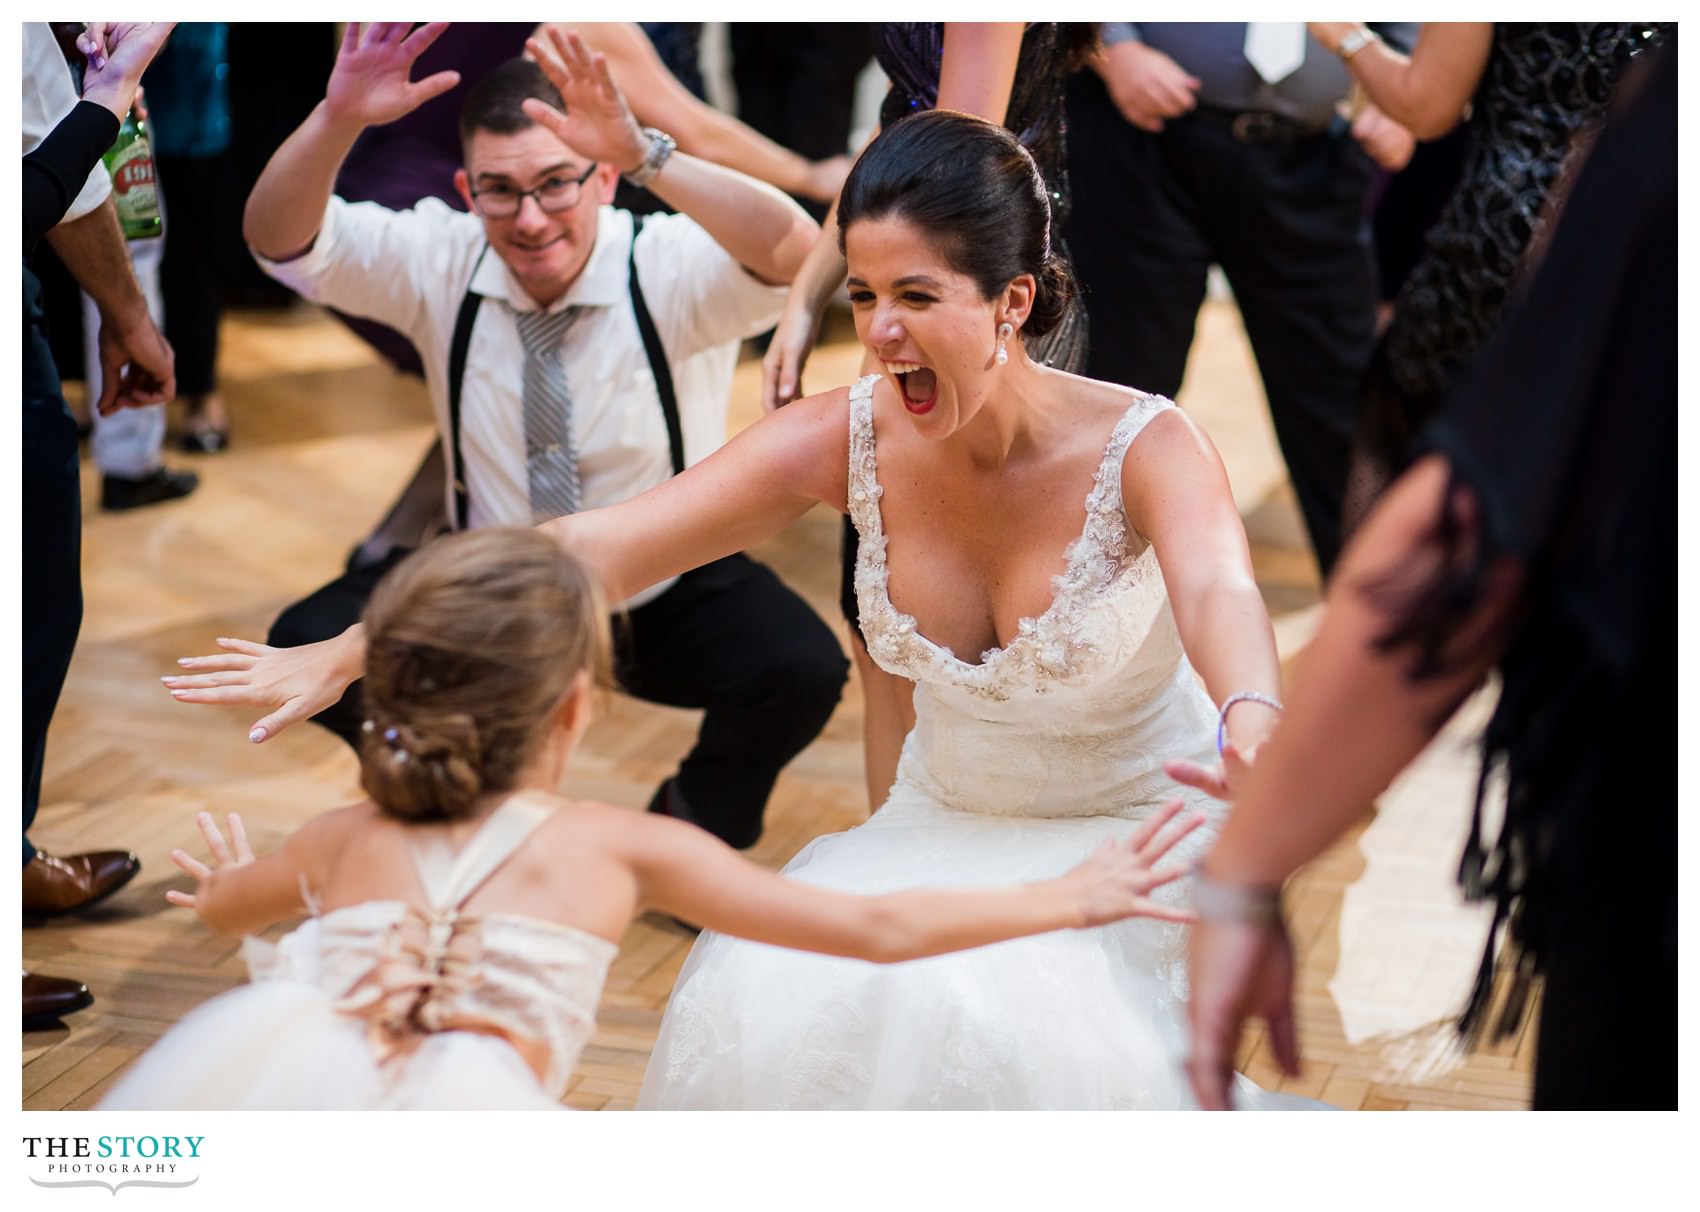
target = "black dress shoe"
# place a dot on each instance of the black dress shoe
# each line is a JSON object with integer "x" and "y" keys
{"x": 120, "y": 492}
{"x": 210, "y": 440}
{"x": 47, "y": 999}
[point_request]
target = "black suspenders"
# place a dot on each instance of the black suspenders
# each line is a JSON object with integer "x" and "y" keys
{"x": 652, "y": 348}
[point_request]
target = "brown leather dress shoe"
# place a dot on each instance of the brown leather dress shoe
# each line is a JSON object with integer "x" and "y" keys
{"x": 48, "y": 998}
{"x": 54, "y": 885}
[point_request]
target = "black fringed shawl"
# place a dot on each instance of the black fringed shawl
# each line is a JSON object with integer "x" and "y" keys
{"x": 1562, "y": 447}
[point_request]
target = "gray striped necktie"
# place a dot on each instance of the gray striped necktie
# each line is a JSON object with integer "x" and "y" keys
{"x": 551, "y": 458}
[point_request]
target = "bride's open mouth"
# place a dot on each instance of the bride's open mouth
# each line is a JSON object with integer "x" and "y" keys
{"x": 919, "y": 385}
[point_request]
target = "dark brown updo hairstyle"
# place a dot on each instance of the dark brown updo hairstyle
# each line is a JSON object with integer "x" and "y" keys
{"x": 470, "y": 645}
{"x": 976, "y": 193}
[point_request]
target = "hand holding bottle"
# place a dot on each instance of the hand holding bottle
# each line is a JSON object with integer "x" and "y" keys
{"x": 118, "y": 52}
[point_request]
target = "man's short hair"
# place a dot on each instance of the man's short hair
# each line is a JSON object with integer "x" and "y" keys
{"x": 494, "y": 103}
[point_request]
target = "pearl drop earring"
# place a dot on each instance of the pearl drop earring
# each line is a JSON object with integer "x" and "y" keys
{"x": 1005, "y": 331}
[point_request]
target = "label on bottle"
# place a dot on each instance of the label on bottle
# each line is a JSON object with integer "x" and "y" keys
{"x": 133, "y": 189}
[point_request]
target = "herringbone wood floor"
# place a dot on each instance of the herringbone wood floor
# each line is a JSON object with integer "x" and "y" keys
{"x": 324, "y": 437}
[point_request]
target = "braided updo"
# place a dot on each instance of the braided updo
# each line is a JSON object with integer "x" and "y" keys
{"x": 471, "y": 643}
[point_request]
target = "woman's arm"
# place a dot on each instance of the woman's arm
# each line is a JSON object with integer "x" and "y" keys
{"x": 1354, "y": 719}
{"x": 1353, "y": 711}
{"x": 1426, "y": 91}
{"x": 1176, "y": 494}
{"x": 977, "y": 67}
{"x": 687, "y": 872}
{"x": 747, "y": 491}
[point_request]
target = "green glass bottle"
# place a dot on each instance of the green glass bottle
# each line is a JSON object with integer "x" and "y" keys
{"x": 130, "y": 161}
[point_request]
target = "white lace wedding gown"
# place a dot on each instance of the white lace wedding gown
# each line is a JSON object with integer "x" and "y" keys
{"x": 1017, "y": 768}
{"x": 381, "y": 1005}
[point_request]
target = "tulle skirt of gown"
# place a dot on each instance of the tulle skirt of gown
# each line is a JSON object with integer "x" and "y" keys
{"x": 279, "y": 1045}
{"x": 1080, "y": 1019}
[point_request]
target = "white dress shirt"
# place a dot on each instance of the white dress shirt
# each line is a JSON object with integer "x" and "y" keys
{"x": 48, "y": 96}
{"x": 410, "y": 269}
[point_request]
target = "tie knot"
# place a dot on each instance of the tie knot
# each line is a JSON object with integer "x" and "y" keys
{"x": 541, "y": 331}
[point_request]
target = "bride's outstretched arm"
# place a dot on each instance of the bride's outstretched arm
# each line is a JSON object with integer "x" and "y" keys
{"x": 747, "y": 491}
{"x": 1177, "y": 496}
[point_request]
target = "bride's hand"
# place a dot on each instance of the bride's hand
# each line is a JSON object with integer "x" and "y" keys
{"x": 1115, "y": 882}
{"x": 293, "y": 683}
{"x": 1220, "y": 780}
{"x": 237, "y": 853}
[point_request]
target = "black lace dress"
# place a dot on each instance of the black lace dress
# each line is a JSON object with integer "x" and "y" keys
{"x": 1542, "y": 95}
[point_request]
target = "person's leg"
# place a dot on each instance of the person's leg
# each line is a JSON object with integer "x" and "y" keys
{"x": 52, "y": 551}
{"x": 1298, "y": 256}
{"x": 190, "y": 288}
{"x": 329, "y": 611}
{"x": 732, "y": 639}
{"x": 1136, "y": 242}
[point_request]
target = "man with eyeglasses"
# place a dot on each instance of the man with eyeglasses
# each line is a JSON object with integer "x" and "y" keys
{"x": 558, "y": 382}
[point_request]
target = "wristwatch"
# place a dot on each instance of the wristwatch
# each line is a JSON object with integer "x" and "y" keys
{"x": 661, "y": 145}
{"x": 1355, "y": 41}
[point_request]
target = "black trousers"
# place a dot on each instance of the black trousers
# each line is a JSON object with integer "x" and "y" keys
{"x": 1285, "y": 221}
{"x": 52, "y": 542}
{"x": 729, "y": 638}
{"x": 191, "y": 280}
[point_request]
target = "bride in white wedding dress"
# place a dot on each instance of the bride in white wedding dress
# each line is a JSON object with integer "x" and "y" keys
{"x": 1106, "y": 636}
{"x": 1055, "y": 738}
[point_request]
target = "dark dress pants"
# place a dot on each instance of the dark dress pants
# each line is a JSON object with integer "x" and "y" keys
{"x": 729, "y": 638}
{"x": 1284, "y": 220}
{"x": 52, "y": 542}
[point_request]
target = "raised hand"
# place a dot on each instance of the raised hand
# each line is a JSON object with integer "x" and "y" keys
{"x": 1116, "y": 881}
{"x": 238, "y": 853}
{"x": 293, "y": 683}
{"x": 369, "y": 84}
{"x": 117, "y": 53}
{"x": 598, "y": 123}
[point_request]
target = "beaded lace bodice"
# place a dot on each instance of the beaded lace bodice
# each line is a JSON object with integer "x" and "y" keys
{"x": 1076, "y": 714}
{"x": 410, "y": 972}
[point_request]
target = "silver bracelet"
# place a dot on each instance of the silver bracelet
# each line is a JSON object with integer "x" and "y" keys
{"x": 661, "y": 145}
{"x": 1215, "y": 901}
{"x": 1244, "y": 696}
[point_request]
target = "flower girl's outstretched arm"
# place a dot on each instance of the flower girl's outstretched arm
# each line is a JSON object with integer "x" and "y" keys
{"x": 684, "y": 871}
{"x": 239, "y": 894}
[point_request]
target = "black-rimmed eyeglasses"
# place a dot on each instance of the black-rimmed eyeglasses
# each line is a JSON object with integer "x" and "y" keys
{"x": 553, "y": 196}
